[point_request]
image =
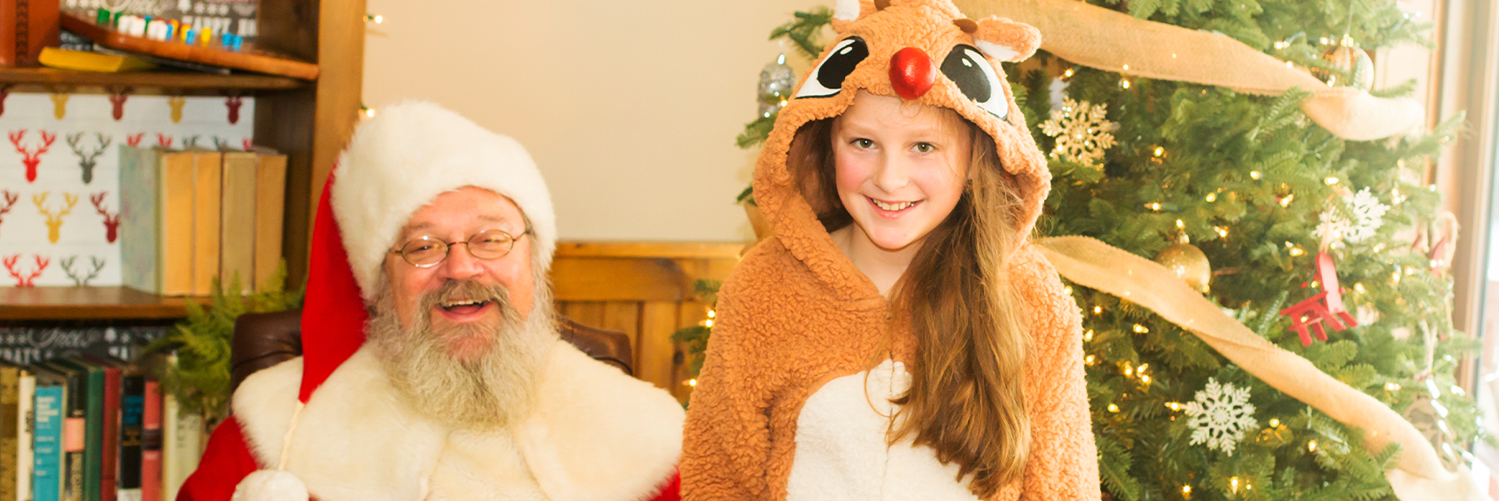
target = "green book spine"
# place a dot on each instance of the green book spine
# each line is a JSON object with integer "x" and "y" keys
{"x": 93, "y": 435}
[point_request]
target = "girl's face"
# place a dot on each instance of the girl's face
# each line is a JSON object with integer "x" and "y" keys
{"x": 900, "y": 167}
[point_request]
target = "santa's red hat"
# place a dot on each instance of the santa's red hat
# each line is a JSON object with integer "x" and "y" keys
{"x": 399, "y": 162}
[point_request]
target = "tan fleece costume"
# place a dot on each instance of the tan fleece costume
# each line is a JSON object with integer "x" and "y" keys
{"x": 793, "y": 399}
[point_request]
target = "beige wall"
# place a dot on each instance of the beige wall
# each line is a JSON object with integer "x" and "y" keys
{"x": 630, "y": 108}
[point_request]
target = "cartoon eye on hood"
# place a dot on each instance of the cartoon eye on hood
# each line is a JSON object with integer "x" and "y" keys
{"x": 975, "y": 77}
{"x": 827, "y": 79}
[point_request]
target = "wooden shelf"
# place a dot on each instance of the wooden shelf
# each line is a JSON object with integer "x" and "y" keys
{"x": 89, "y": 303}
{"x": 45, "y": 78}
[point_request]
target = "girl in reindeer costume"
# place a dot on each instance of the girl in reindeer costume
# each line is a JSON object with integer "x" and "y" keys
{"x": 898, "y": 338}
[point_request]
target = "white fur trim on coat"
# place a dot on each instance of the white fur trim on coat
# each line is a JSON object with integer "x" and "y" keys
{"x": 405, "y": 157}
{"x": 597, "y": 434}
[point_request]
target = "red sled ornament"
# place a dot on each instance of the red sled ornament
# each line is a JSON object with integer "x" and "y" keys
{"x": 1326, "y": 307}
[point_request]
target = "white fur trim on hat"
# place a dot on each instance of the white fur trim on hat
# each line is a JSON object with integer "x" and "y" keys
{"x": 405, "y": 157}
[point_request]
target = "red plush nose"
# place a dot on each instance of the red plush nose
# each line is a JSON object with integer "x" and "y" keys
{"x": 912, "y": 73}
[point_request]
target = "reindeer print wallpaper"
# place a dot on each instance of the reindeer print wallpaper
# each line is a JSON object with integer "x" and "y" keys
{"x": 59, "y": 177}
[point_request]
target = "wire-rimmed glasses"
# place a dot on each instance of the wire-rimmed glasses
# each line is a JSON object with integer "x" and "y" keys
{"x": 426, "y": 251}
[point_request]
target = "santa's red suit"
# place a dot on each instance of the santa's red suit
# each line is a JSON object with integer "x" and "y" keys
{"x": 330, "y": 426}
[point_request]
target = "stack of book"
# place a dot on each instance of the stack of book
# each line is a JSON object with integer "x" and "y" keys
{"x": 87, "y": 429}
{"x": 190, "y": 216}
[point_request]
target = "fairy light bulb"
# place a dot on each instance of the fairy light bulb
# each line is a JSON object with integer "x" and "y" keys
{"x": 1097, "y": 310}
{"x": 1274, "y": 423}
{"x": 1088, "y": 336}
{"x": 1311, "y": 446}
{"x": 1159, "y": 151}
{"x": 1140, "y": 329}
{"x": 1113, "y": 408}
{"x": 1254, "y": 174}
{"x": 1212, "y": 197}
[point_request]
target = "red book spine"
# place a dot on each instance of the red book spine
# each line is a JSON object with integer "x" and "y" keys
{"x": 108, "y": 476}
{"x": 151, "y": 444}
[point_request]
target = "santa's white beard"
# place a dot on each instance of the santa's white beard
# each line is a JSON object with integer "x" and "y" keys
{"x": 492, "y": 391}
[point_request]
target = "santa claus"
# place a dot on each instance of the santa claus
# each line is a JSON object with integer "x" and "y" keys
{"x": 431, "y": 364}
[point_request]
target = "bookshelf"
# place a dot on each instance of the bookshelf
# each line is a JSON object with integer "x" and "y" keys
{"x": 90, "y": 303}
{"x": 309, "y": 121}
{"x": 45, "y": 79}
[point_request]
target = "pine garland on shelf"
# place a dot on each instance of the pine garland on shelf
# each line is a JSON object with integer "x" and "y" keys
{"x": 201, "y": 344}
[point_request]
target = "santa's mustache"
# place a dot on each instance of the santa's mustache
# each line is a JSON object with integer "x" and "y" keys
{"x": 456, "y": 292}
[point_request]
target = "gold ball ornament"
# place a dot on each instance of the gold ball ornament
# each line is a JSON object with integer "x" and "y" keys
{"x": 1351, "y": 62}
{"x": 1189, "y": 263}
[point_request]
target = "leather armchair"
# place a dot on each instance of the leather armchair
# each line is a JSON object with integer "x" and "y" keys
{"x": 262, "y": 340}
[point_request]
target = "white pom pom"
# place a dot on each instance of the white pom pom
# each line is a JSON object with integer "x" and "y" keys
{"x": 271, "y": 485}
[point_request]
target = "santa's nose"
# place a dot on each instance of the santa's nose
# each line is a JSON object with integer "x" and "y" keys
{"x": 912, "y": 73}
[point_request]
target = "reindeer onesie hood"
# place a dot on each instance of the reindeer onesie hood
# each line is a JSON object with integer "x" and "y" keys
{"x": 793, "y": 399}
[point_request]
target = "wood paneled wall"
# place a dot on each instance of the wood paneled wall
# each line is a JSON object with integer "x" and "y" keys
{"x": 643, "y": 290}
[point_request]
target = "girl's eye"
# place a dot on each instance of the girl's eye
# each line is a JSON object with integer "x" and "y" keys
{"x": 925, "y": 147}
{"x": 863, "y": 143}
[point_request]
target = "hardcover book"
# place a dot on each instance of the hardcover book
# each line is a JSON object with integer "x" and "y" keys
{"x": 25, "y": 432}
{"x": 132, "y": 429}
{"x": 46, "y": 480}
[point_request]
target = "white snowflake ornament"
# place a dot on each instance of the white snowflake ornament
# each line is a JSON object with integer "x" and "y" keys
{"x": 1362, "y": 215}
{"x": 1220, "y": 414}
{"x": 1082, "y": 131}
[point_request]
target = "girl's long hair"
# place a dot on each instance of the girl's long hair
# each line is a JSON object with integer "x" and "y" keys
{"x": 966, "y": 399}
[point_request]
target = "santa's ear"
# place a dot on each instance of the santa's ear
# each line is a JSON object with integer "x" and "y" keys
{"x": 1006, "y": 40}
{"x": 845, "y": 12}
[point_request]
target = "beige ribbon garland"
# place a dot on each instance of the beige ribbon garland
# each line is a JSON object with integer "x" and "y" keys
{"x": 1114, "y": 41}
{"x": 1418, "y": 476}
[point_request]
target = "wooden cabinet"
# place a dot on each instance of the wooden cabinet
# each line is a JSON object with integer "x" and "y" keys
{"x": 309, "y": 121}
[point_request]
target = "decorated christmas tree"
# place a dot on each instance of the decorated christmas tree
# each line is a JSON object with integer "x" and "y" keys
{"x": 1309, "y": 228}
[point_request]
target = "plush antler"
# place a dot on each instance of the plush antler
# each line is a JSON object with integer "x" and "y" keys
{"x": 88, "y": 159}
{"x": 80, "y": 281}
{"x": 111, "y": 221}
{"x": 54, "y": 221}
{"x": 163, "y": 140}
{"x": 134, "y": 139}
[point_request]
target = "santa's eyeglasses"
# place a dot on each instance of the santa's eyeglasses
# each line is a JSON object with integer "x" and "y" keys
{"x": 426, "y": 252}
